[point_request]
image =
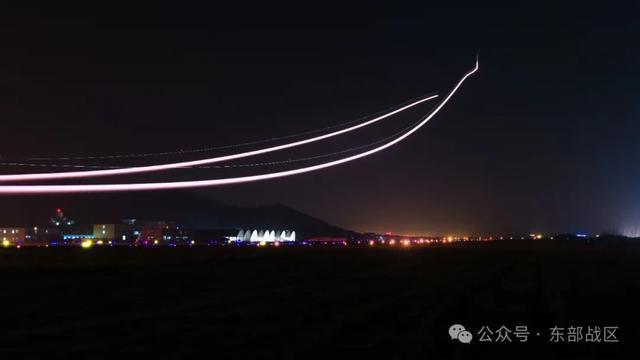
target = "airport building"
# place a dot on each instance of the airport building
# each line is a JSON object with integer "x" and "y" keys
{"x": 161, "y": 233}
{"x": 13, "y": 235}
{"x": 258, "y": 236}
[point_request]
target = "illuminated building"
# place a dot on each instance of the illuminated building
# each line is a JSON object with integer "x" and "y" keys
{"x": 269, "y": 236}
{"x": 13, "y": 235}
{"x": 104, "y": 231}
{"x": 151, "y": 233}
{"x": 161, "y": 233}
{"x": 46, "y": 235}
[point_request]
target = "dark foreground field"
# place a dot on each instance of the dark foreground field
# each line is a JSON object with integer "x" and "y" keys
{"x": 301, "y": 303}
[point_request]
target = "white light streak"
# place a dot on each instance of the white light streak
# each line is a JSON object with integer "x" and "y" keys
{"x": 219, "y": 147}
{"x": 226, "y": 166}
{"x": 39, "y": 189}
{"x": 161, "y": 167}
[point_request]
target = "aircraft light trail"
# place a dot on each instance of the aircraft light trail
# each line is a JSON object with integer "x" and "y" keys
{"x": 222, "y": 147}
{"x": 161, "y": 167}
{"x": 48, "y": 189}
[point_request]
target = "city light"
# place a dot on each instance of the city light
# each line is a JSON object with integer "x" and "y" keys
{"x": 264, "y": 238}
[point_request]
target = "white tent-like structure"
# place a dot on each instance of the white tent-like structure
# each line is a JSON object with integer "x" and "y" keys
{"x": 265, "y": 235}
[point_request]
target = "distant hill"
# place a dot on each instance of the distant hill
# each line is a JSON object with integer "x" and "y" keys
{"x": 188, "y": 209}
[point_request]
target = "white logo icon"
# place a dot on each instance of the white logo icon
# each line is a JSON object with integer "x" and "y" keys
{"x": 465, "y": 337}
{"x": 457, "y": 331}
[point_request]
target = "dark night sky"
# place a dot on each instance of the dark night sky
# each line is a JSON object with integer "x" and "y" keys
{"x": 542, "y": 139}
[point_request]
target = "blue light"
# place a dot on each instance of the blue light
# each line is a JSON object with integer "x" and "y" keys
{"x": 71, "y": 237}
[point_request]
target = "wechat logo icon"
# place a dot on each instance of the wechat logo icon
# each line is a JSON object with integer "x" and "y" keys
{"x": 458, "y": 332}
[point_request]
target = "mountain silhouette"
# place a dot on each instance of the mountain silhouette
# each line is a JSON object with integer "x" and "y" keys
{"x": 188, "y": 209}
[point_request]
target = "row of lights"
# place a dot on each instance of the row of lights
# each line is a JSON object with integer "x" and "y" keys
{"x": 88, "y": 243}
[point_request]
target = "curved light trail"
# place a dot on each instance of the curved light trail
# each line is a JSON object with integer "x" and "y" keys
{"x": 39, "y": 189}
{"x": 161, "y": 167}
{"x": 226, "y": 166}
{"x": 223, "y": 147}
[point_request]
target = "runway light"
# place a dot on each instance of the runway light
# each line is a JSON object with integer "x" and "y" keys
{"x": 155, "y": 242}
{"x": 86, "y": 244}
{"x": 262, "y": 243}
{"x": 392, "y": 242}
{"x": 100, "y": 242}
{"x": 371, "y": 242}
{"x": 6, "y": 243}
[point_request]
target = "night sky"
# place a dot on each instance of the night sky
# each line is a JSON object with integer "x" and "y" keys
{"x": 543, "y": 138}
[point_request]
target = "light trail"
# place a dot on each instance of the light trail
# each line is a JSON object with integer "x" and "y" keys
{"x": 226, "y": 166}
{"x": 223, "y": 147}
{"x": 49, "y": 189}
{"x": 161, "y": 167}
